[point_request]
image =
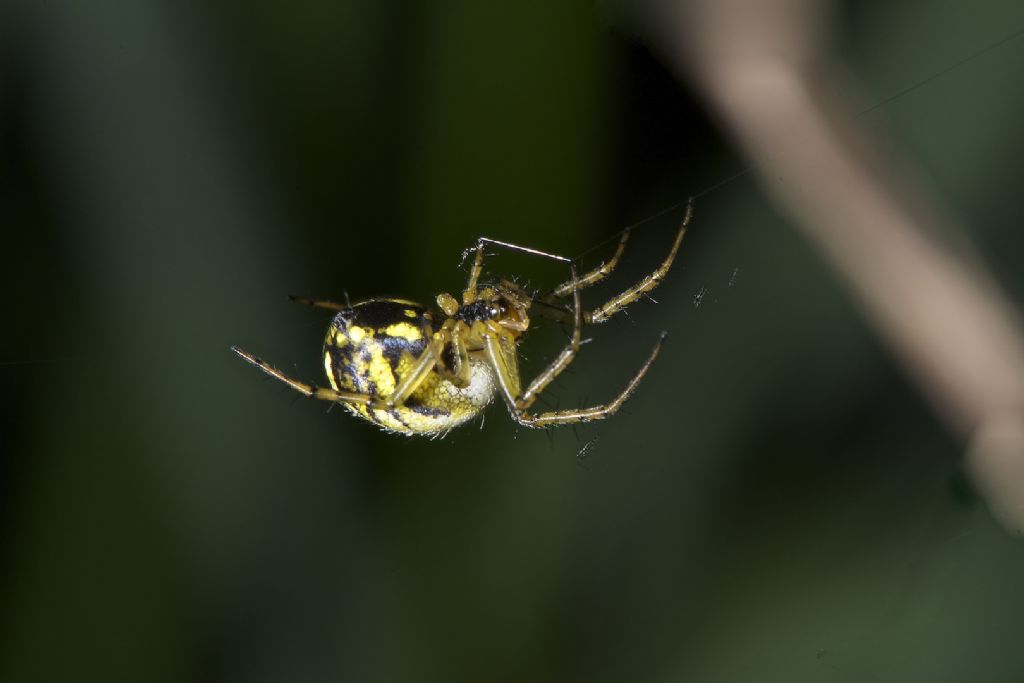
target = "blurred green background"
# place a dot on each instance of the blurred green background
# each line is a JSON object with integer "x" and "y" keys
{"x": 775, "y": 504}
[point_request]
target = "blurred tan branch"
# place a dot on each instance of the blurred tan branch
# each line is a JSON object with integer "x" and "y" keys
{"x": 765, "y": 67}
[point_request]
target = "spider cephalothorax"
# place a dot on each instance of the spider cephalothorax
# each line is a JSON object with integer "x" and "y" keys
{"x": 414, "y": 371}
{"x": 504, "y": 303}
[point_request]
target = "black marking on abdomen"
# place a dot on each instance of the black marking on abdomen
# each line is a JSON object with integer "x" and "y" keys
{"x": 393, "y": 412}
{"x": 341, "y": 368}
{"x": 377, "y": 313}
{"x": 393, "y": 347}
{"x": 416, "y": 405}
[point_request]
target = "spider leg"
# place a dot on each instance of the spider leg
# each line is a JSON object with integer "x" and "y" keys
{"x": 592, "y": 277}
{"x": 551, "y": 310}
{"x": 617, "y": 303}
{"x": 424, "y": 364}
{"x": 459, "y": 373}
{"x": 556, "y": 417}
{"x": 412, "y": 380}
{"x": 519, "y": 402}
{"x": 548, "y": 305}
{"x": 563, "y": 359}
{"x": 317, "y": 303}
{"x": 303, "y": 388}
{"x": 469, "y": 294}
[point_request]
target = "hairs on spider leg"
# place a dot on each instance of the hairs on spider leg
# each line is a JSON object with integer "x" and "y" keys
{"x": 544, "y": 401}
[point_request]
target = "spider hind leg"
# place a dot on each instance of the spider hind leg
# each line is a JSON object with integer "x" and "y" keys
{"x": 304, "y": 388}
{"x": 318, "y": 303}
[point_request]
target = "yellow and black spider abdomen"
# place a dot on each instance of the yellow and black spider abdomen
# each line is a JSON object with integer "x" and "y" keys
{"x": 372, "y": 346}
{"x": 369, "y": 347}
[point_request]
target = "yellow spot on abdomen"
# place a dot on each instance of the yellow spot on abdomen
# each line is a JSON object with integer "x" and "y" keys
{"x": 379, "y": 371}
{"x": 329, "y": 370}
{"x": 405, "y": 331}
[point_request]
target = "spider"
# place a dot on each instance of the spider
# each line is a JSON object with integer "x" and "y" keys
{"x": 388, "y": 362}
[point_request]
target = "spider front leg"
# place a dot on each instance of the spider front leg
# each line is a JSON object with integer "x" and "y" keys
{"x": 549, "y": 305}
{"x": 469, "y": 294}
{"x": 503, "y": 361}
{"x": 591, "y": 277}
{"x": 617, "y": 303}
{"x": 557, "y": 417}
{"x": 564, "y": 358}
